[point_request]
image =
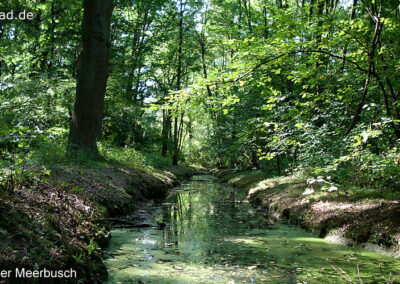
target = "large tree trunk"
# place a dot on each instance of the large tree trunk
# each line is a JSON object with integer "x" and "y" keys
{"x": 92, "y": 76}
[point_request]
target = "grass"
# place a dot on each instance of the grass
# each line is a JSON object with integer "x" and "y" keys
{"x": 52, "y": 153}
{"x": 132, "y": 158}
{"x": 107, "y": 180}
{"x": 357, "y": 193}
{"x": 354, "y": 212}
{"x": 108, "y": 186}
{"x": 256, "y": 180}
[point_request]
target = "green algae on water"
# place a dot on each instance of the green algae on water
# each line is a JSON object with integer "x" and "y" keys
{"x": 207, "y": 234}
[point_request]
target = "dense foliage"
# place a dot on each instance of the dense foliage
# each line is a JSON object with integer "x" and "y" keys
{"x": 281, "y": 86}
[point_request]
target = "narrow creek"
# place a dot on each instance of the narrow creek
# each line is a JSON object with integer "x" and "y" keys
{"x": 204, "y": 233}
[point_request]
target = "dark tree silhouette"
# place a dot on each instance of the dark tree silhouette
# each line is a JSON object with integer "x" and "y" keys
{"x": 92, "y": 76}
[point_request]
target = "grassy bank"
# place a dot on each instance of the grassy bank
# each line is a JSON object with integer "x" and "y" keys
{"x": 358, "y": 217}
{"x": 57, "y": 218}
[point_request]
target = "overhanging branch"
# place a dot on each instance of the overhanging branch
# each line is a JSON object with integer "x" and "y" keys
{"x": 268, "y": 60}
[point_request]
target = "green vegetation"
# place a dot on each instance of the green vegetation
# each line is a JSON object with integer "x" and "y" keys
{"x": 57, "y": 217}
{"x": 283, "y": 86}
{"x": 212, "y": 237}
{"x": 43, "y": 225}
{"x": 351, "y": 216}
{"x": 116, "y": 101}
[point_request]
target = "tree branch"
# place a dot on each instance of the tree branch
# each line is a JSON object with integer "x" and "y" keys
{"x": 268, "y": 60}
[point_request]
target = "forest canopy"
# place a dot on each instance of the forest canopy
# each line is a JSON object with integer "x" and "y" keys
{"x": 306, "y": 86}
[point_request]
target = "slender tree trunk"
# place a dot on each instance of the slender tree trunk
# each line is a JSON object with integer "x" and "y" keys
{"x": 371, "y": 71}
{"x": 92, "y": 76}
{"x": 390, "y": 87}
{"x": 265, "y": 23}
{"x": 165, "y": 132}
{"x": 254, "y": 160}
{"x": 387, "y": 105}
{"x": 361, "y": 103}
{"x": 294, "y": 158}
{"x": 52, "y": 35}
{"x": 312, "y": 3}
{"x": 247, "y": 7}
{"x": 178, "y": 87}
{"x": 353, "y": 15}
{"x": 131, "y": 71}
{"x": 136, "y": 53}
{"x": 43, "y": 54}
{"x": 180, "y": 132}
{"x": 176, "y": 142}
{"x": 334, "y": 2}
{"x": 203, "y": 60}
{"x": 278, "y": 165}
{"x": 190, "y": 128}
{"x": 320, "y": 10}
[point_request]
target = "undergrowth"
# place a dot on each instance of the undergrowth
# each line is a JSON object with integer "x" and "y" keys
{"x": 52, "y": 153}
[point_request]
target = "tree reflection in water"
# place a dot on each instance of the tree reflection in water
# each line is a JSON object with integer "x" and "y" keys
{"x": 209, "y": 235}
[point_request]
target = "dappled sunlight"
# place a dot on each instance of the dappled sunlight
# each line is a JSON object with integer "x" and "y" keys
{"x": 280, "y": 183}
{"x": 312, "y": 240}
{"x": 108, "y": 108}
{"x": 210, "y": 236}
{"x": 262, "y": 185}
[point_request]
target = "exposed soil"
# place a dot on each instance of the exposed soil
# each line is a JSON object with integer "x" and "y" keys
{"x": 118, "y": 188}
{"x": 60, "y": 222}
{"x": 371, "y": 223}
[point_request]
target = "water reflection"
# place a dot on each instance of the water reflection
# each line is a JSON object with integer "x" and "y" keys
{"x": 203, "y": 233}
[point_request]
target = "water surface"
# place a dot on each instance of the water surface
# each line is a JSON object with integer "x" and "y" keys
{"x": 205, "y": 233}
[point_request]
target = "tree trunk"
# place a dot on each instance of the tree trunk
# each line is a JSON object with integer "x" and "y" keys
{"x": 92, "y": 77}
{"x": 247, "y": 8}
{"x": 175, "y": 149}
{"x": 353, "y": 15}
{"x": 265, "y": 22}
{"x": 371, "y": 57}
{"x": 165, "y": 132}
{"x": 52, "y": 36}
{"x": 278, "y": 165}
{"x": 178, "y": 87}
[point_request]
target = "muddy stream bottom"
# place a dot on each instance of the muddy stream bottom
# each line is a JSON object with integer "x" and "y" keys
{"x": 205, "y": 233}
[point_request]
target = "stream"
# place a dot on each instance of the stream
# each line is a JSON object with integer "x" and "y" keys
{"x": 205, "y": 232}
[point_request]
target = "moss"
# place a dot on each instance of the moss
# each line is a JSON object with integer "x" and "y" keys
{"x": 372, "y": 220}
{"x": 51, "y": 223}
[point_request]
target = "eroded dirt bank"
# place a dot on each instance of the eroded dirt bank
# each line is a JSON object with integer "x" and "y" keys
{"x": 339, "y": 216}
{"x": 60, "y": 221}
{"x": 203, "y": 233}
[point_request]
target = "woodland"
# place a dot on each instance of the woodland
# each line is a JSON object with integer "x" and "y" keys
{"x": 277, "y": 86}
{"x": 305, "y": 88}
